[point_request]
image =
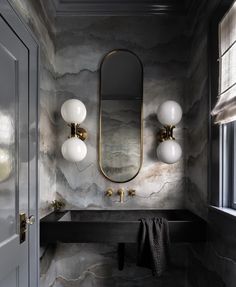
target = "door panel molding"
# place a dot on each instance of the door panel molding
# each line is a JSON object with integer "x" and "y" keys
{"x": 8, "y": 256}
{"x": 17, "y": 25}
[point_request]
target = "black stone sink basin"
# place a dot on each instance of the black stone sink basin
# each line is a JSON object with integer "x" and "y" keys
{"x": 117, "y": 226}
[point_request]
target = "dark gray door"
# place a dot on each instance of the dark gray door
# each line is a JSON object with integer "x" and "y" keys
{"x": 18, "y": 154}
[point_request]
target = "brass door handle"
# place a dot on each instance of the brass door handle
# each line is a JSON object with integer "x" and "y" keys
{"x": 24, "y": 221}
{"x": 30, "y": 220}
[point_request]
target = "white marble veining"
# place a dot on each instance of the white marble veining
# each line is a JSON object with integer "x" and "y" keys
{"x": 96, "y": 265}
{"x": 73, "y": 72}
{"x": 81, "y": 45}
{"x": 196, "y": 116}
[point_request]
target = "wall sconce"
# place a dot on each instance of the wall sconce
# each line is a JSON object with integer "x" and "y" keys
{"x": 74, "y": 113}
{"x": 169, "y": 114}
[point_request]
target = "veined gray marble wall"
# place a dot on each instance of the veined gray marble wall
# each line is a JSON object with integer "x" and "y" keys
{"x": 74, "y": 73}
{"x": 214, "y": 263}
{"x": 87, "y": 265}
{"x": 197, "y": 114}
{"x": 162, "y": 46}
{"x": 81, "y": 43}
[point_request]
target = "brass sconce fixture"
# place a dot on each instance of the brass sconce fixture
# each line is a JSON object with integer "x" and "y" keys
{"x": 74, "y": 113}
{"x": 167, "y": 133}
{"x": 169, "y": 114}
{"x": 77, "y": 131}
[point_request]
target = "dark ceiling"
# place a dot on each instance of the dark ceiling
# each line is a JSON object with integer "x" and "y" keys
{"x": 121, "y": 7}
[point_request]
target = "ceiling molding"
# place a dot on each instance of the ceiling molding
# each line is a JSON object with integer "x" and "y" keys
{"x": 118, "y": 7}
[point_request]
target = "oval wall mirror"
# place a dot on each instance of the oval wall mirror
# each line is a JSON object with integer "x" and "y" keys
{"x": 121, "y": 100}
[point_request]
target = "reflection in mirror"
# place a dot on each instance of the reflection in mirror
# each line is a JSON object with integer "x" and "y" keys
{"x": 6, "y": 145}
{"x": 6, "y": 163}
{"x": 121, "y": 95}
{"x": 6, "y": 129}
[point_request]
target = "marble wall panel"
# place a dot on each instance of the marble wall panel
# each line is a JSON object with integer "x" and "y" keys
{"x": 96, "y": 265}
{"x": 213, "y": 263}
{"x": 196, "y": 117}
{"x": 80, "y": 45}
{"x": 162, "y": 46}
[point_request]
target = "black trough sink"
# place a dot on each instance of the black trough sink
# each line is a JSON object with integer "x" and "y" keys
{"x": 116, "y": 226}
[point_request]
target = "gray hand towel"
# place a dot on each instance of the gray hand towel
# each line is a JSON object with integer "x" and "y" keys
{"x": 153, "y": 245}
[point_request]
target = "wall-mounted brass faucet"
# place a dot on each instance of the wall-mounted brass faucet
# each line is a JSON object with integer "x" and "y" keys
{"x": 121, "y": 193}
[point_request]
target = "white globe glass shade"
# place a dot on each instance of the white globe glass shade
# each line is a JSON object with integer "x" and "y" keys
{"x": 73, "y": 111}
{"x": 169, "y": 113}
{"x": 169, "y": 151}
{"x": 74, "y": 150}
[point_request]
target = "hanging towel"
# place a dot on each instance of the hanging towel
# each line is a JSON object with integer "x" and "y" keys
{"x": 153, "y": 245}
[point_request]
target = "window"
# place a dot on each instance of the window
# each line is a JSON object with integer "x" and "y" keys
{"x": 225, "y": 109}
{"x": 227, "y": 92}
{"x": 224, "y": 112}
{"x": 228, "y": 164}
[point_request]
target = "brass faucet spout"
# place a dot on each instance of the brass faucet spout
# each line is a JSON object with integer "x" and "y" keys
{"x": 121, "y": 193}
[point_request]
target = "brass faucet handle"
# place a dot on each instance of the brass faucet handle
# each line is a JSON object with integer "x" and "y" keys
{"x": 132, "y": 192}
{"x": 109, "y": 192}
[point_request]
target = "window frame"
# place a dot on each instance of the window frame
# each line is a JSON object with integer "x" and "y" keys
{"x": 234, "y": 170}
{"x": 218, "y": 168}
{"x": 228, "y": 140}
{"x": 233, "y": 199}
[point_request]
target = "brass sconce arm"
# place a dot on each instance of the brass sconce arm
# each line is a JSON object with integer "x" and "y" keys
{"x": 77, "y": 131}
{"x": 166, "y": 133}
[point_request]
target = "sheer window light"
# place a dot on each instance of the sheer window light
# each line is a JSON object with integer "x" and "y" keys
{"x": 225, "y": 109}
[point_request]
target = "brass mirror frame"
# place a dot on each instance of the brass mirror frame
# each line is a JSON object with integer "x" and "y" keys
{"x": 100, "y": 118}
